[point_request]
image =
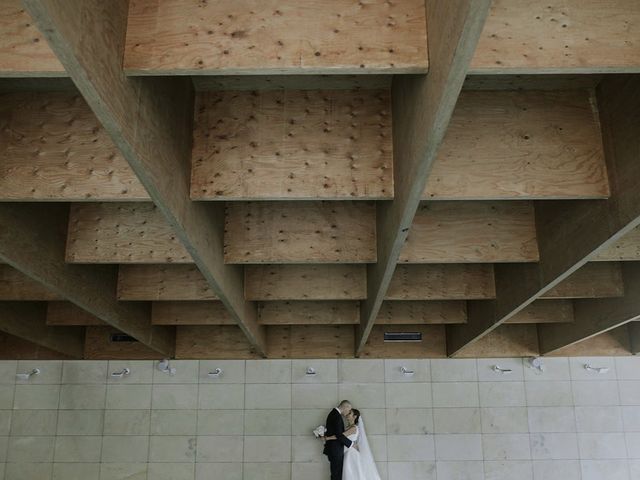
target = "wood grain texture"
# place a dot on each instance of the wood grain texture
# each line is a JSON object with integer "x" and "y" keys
{"x": 204, "y": 342}
{"x": 271, "y": 36}
{"x": 27, "y": 320}
{"x": 32, "y": 239}
{"x": 291, "y": 82}
{"x": 432, "y": 345}
{"x": 520, "y": 145}
{"x": 121, "y": 233}
{"x": 505, "y": 341}
{"x": 633, "y": 330}
{"x": 300, "y": 232}
{"x": 98, "y": 346}
{"x": 560, "y": 36}
{"x": 608, "y": 344}
{"x": 594, "y": 280}
{"x": 274, "y": 145}
{"x": 15, "y": 348}
{"x": 442, "y": 282}
{"x": 68, "y": 314}
{"x": 15, "y": 285}
{"x": 162, "y": 282}
{"x": 305, "y": 282}
{"x": 422, "y": 107}
{"x": 310, "y": 341}
{"x": 56, "y": 150}
{"x": 151, "y": 122}
{"x": 309, "y": 313}
{"x": 545, "y": 311}
{"x": 569, "y": 81}
{"x": 627, "y": 248}
{"x": 23, "y": 50}
{"x": 400, "y": 312}
{"x": 472, "y": 232}
{"x": 190, "y": 313}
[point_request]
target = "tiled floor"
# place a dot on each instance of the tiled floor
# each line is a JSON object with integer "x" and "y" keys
{"x": 450, "y": 420}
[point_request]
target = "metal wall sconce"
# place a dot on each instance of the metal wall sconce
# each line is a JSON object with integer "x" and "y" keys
{"x": 406, "y": 372}
{"x": 503, "y": 371}
{"x": 217, "y": 373}
{"x": 590, "y": 368}
{"x": 311, "y": 372}
{"x": 125, "y": 372}
{"x": 163, "y": 366}
{"x": 27, "y": 376}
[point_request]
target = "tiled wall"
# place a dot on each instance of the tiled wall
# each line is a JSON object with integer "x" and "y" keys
{"x": 451, "y": 420}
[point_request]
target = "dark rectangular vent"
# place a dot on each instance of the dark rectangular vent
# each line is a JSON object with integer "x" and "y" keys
{"x": 402, "y": 337}
{"x": 122, "y": 337}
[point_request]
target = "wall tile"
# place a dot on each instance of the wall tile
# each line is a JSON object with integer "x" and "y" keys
{"x": 220, "y": 422}
{"x": 456, "y": 420}
{"x": 123, "y": 471}
{"x": 554, "y": 446}
{"x": 457, "y": 470}
{"x": 128, "y": 397}
{"x": 76, "y": 471}
{"x": 173, "y": 422}
{"x": 486, "y": 373}
{"x": 579, "y": 372}
{"x": 267, "y": 422}
{"x": 171, "y": 471}
{"x": 408, "y": 395}
{"x": 412, "y": 470}
{"x": 307, "y": 448}
{"x": 508, "y": 470}
{"x": 510, "y": 446}
{"x": 267, "y": 449}
{"x": 315, "y": 396}
{"x": 628, "y": 368}
{"x": 375, "y": 420}
{"x": 32, "y": 471}
{"x": 5, "y": 422}
{"x": 125, "y": 449}
{"x": 326, "y": 371}
{"x": 587, "y": 393}
{"x": 552, "y": 419}
{"x": 166, "y": 397}
{"x": 74, "y": 449}
{"x": 548, "y": 394}
{"x": 233, "y": 371}
{"x": 455, "y": 394}
{"x": 126, "y": 422}
{"x": 228, "y": 471}
{"x": 361, "y": 371}
{"x": 554, "y": 369}
{"x": 80, "y": 422}
{"x": 30, "y": 449}
{"x": 593, "y": 446}
{"x": 84, "y": 371}
{"x": 228, "y": 397}
{"x": 633, "y": 444}
{"x": 34, "y": 422}
{"x": 6, "y": 396}
{"x": 378, "y": 444}
{"x": 223, "y": 449}
{"x": 268, "y": 371}
{"x": 186, "y": 372}
{"x": 599, "y": 419}
{"x": 267, "y": 396}
{"x": 421, "y": 371}
{"x": 454, "y": 370}
{"x": 631, "y": 418}
{"x": 504, "y": 420}
{"x": 556, "y": 470}
{"x": 172, "y": 449}
{"x": 141, "y": 371}
{"x": 410, "y": 448}
{"x": 4, "y": 446}
{"x": 267, "y": 471}
{"x": 458, "y": 446}
{"x": 8, "y": 370}
{"x": 36, "y": 397}
{"x": 601, "y": 469}
{"x": 629, "y": 392}
{"x": 502, "y": 394}
{"x": 310, "y": 471}
{"x": 82, "y": 397}
{"x": 50, "y": 372}
{"x": 306, "y": 420}
{"x": 371, "y": 395}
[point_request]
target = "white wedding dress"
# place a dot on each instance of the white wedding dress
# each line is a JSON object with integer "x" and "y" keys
{"x": 359, "y": 464}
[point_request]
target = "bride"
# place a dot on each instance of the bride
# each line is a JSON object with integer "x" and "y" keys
{"x": 358, "y": 460}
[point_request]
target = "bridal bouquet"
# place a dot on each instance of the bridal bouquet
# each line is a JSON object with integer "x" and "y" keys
{"x": 320, "y": 431}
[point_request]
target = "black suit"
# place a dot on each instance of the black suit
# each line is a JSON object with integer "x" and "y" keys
{"x": 334, "y": 449}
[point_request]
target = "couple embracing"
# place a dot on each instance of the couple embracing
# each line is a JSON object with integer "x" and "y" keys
{"x": 347, "y": 447}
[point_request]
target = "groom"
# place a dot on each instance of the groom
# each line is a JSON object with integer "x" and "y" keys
{"x": 334, "y": 448}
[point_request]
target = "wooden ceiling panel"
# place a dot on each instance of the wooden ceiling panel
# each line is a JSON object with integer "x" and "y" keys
{"x": 56, "y": 150}
{"x": 433, "y": 343}
{"x": 204, "y": 342}
{"x": 275, "y": 145}
{"x": 291, "y": 82}
{"x": 472, "y": 232}
{"x": 309, "y": 313}
{"x": 594, "y": 280}
{"x": 99, "y": 346}
{"x": 190, "y": 313}
{"x": 422, "y": 312}
{"x": 505, "y": 341}
{"x": 162, "y": 282}
{"x": 300, "y": 232}
{"x": 23, "y": 50}
{"x": 560, "y": 36}
{"x": 442, "y": 282}
{"x": 15, "y": 285}
{"x": 305, "y": 282}
{"x": 545, "y": 311}
{"x": 520, "y": 145}
{"x": 69, "y": 314}
{"x": 626, "y": 248}
{"x": 310, "y": 341}
{"x": 275, "y": 36}
{"x": 121, "y": 233}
